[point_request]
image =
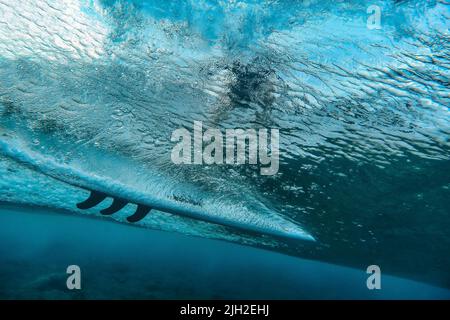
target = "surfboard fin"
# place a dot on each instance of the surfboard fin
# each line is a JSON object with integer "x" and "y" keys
{"x": 94, "y": 199}
{"x": 117, "y": 205}
{"x": 140, "y": 213}
{"x": 97, "y": 197}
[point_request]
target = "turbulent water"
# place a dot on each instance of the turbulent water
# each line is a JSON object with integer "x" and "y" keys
{"x": 91, "y": 91}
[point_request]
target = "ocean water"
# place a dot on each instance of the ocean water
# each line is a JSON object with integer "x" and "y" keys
{"x": 92, "y": 91}
{"x": 118, "y": 262}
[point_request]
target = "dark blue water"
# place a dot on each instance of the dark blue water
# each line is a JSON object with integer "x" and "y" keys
{"x": 119, "y": 262}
